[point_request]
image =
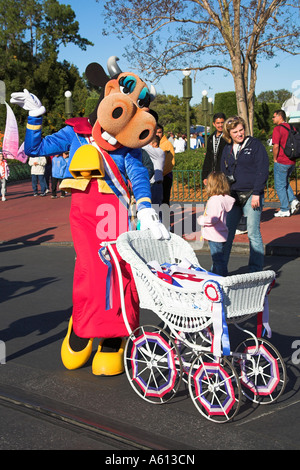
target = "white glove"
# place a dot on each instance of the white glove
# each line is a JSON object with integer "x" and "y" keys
{"x": 29, "y": 102}
{"x": 149, "y": 219}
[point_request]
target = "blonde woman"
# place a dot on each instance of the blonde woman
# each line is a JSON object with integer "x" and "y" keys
{"x": 214, "y": 219}
{"x": 245, "y": 163}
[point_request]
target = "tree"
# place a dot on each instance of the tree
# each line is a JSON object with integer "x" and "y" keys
{"x": 263, "y": 122}
{"x": 58, "y": 27}
{"x": 231, "y": 35}
{"x": 171, "y": 112}
{"x": 226, "y": 103}
{"x": 31, "y": 33}
{"x": 276, "y": 96}
{"x": 34, "y": 30}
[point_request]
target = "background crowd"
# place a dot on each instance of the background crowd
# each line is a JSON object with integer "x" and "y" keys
{"x": 179, "y": 141}
{"x": 44, "y": 169}
{"x": 235, "y": 171}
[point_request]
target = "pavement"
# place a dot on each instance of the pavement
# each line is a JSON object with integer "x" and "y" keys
{"x": 42, "y": 220}
{"x": 44, "y": 406}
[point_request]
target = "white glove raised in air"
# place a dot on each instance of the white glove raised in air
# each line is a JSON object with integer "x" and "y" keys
{"x": 29, "y": 102}
{"x": 149, "y": 220}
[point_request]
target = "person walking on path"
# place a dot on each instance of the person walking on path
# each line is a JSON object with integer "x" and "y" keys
{"x": 37, "y": 165}
{"x": 171, "y": 138}
{"x": 199, "y": 141}
{"x": 214, "y": 219}
{"x": 48, "y": 173}
{"x": 283, "y": 167}
{"x": 215, "y": 146}
{"x": 212, "y": 160}
{"x": 180, "y": 144}
{"x": 4, "y": 174}
{"x": 245, "y": 163}
{"x": 59, "y": 166}
{"x": 157, "y": 156}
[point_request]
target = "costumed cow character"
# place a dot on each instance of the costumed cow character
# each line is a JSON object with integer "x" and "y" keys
{"x": 105, "y": 150}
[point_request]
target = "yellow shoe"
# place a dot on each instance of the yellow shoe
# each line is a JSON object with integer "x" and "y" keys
{"x": 109, "y": 359}
{"x": 74, "y": 359}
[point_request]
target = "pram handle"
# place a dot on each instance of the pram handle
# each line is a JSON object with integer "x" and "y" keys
{"x": 112, "y": 242}
{"x": 108, "y": 245}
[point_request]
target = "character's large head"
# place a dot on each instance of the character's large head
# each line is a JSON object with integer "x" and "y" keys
{"x": 122, "y": 116}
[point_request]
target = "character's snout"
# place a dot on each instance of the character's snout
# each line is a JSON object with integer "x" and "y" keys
{"x": 120, "y": 117}
{"x": 115, "y": 112}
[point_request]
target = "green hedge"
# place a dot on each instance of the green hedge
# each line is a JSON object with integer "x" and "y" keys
{"x": 226, "y": 103}
{"x": 18, "y": 171}
{"x": 193, "y": 160}
{"x": 190, "y": 160}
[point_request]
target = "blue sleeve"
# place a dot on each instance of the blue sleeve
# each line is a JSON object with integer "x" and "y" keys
{"x": 35, "y": 145}
{"x": 139, "y": 178}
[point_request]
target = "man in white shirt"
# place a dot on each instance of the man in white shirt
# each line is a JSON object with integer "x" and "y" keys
{"x": 179, "y": 144}
{"x": 38, "y": 165}
{"x": 157, "y": 156}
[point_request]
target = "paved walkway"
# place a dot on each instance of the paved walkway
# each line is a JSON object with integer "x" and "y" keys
{"x": 28, "y": 219}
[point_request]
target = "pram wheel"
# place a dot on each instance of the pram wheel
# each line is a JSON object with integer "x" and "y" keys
{"x": 190, "y": 345}
{"x": 214, "y": 388}
{"x": 152, "y": 364}
{"x": 262, "y": 370}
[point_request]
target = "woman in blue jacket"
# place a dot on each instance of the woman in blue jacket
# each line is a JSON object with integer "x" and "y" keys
{"x": 245, "y": 162}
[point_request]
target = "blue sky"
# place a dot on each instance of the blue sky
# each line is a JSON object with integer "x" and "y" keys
{"x": 88, "y": 14}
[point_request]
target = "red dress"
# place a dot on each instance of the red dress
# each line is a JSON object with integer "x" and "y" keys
{"x": 97, "y": 217}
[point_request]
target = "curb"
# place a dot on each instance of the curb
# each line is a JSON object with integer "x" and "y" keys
{"x": 198, "y": 247}
{"x": 243, "y": 248}
{"x": 289, "y": 251}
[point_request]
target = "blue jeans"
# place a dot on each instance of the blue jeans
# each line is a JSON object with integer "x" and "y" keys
{"x": 218, "y": 262}
{"x": 256, "y": 256}
{"x": 283, "y": 188}
{"x": 42, "y": 181}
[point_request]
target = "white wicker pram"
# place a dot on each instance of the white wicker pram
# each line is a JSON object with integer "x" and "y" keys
{"x": 243, "y": 294}
{"x": 156, "y": 358}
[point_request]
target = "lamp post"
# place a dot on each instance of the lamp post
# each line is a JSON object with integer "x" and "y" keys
{"x": 205, "y": 109}
{"x": 187, "y": 95}
{"x": 210, "y": 113}
{"x": 68, "y": 104}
